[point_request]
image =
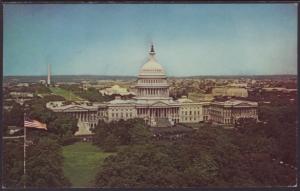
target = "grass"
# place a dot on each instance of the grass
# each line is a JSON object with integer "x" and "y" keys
{"x": 68, "y": 95}
{"x": 81, "y": 162}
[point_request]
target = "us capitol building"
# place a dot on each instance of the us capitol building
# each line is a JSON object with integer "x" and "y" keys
{"x": 153, "y": 104}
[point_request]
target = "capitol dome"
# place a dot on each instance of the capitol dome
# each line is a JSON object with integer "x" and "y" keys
{"x": 152, "y": 68}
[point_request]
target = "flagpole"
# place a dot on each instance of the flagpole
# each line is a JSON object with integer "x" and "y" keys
{"x": 24, "y": 169}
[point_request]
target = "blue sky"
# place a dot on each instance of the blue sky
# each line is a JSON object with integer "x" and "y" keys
{"x": 114, "y": 39}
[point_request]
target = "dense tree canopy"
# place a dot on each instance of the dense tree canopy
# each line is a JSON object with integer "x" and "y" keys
{"x": 42, "y": 89}
{"x": 93, "y": 95}
{"x": 212, "y": 156}
{"x": 43, "y": 164}
{"x": 110, "y": 135}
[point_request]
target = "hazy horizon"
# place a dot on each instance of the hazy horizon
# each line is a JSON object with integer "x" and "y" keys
{"x": 114, "y": 39}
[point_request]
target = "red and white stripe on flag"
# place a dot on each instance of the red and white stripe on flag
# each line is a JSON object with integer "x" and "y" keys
{"x": 34, "y": 124}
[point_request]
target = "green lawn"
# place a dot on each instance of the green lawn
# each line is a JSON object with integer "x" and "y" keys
{"x": 68, "y": 95}
{"x": 81, "y": 161}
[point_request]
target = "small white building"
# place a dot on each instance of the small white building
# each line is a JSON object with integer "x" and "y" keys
{"x": 116, "y": 90}
{"x": 230, "y": 91}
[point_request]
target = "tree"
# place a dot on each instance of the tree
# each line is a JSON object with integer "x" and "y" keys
{"x": 45, "y": 164}
{"x": 63, "y": 125}
{"x": 132, "y": 131}
{"x": 110, "y": 143}
{"x": 211, "y": 156}
{"x": 12, "y": 163}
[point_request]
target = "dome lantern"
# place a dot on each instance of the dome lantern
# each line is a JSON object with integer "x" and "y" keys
{"x": 152, "y": 68}
{"x": 152, "y": 52}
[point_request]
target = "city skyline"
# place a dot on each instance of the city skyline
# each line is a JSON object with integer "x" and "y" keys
{"x": 226, "y": 39}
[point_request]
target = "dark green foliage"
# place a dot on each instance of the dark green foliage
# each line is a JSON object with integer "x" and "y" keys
{"x": 93, "y": 95}
{"x": 69, "y": 140}
{"x": 63, "y": 125}
{"x": 110, "y": 135}
{"x": 210, "y": 157}
{"x": 44, "y": 164}
{"x": 48, "y": 98}
{"x": 280, "y": 125}
{"x": 41, "y": 89}
{"x": 110, "y": 143}
{"x": 12, "y": 163}
{"x": 156, "y": 166}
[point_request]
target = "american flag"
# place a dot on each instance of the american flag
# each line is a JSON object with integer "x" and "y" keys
{"x": 34, "y": 124}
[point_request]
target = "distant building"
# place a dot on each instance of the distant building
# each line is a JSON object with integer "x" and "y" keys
{"x": 238, "y": 85}
{"x": 279, "y": 89}
{"x": 21, "y": 94}
{"x": 230, "y": 111}
{"x": 22, "y": 85}
{"x": 116, "y": 90}
{"x": 87, "y": 85}
{"x": 42, "y": 82}
{"x": 230, "y": 91}
{"x": 84, "y": 111}
{"x": 189, "y": 111}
